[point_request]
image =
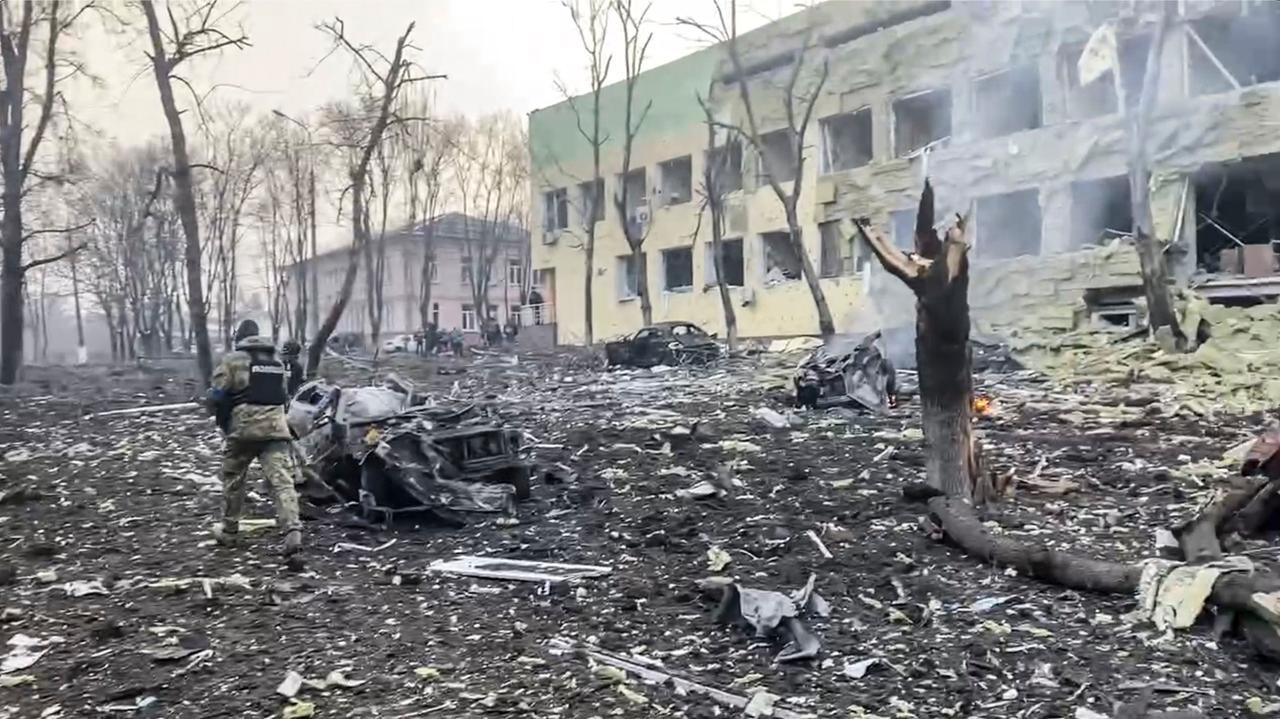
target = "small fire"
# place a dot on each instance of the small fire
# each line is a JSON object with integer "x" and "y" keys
{"x": 983, "y": 406}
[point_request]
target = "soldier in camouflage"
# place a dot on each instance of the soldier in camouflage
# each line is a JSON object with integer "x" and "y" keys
{"x": 248, "y": 396}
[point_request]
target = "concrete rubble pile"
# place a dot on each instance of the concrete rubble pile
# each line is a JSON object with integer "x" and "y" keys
{"x": 1234, "y": 364}
{"x": 392, "y": 452}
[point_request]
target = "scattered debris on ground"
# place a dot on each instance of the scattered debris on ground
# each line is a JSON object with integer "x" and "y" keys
{"x": 656, "y": 479}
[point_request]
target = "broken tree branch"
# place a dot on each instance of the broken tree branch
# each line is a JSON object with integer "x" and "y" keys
{"x": 54, "y": 258}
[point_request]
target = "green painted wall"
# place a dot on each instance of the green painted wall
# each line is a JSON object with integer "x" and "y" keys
{"x": 673, "y": 88}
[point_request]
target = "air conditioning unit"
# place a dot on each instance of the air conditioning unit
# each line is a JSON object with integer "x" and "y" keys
{"x": 549, "y": 237}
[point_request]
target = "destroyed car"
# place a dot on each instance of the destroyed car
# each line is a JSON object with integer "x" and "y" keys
{"x": 665, "y": 343}
{"x": 389, "y": 452}
{"x": 844, "y": 372}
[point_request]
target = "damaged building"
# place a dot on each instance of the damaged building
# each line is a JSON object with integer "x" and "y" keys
{"x": 985, "y": 97}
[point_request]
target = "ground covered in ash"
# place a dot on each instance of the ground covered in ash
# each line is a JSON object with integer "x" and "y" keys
{"x": 108, "y": 571}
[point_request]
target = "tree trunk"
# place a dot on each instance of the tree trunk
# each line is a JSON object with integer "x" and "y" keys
{"x": 953, "y": 458}
{"x": 11, "y": 318}
{"x": 11, "y": 270}
{"x": 428, "y": 261}
{"x": 826, "y": 325}
{"x": 642, "y": 284}
{"x": 1155, "y": 273}
{"x": 315, "y": 288}
{"x": 81, "y": 350}
{"x": 588, "y": 283}
{"x": 316, "y": 351}
{"x": 726, "y": 301}
{"x": 184, "y": 197}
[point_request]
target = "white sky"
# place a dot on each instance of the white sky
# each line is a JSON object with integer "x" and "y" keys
{"x": 498, "y": 54}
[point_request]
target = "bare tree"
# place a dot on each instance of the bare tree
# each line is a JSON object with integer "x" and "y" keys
{"x": 715, "y": 169}
{"x": 426, "y": 151}
{"x": 298, "y": 159}
{"x": 591, "y": 18}
{"x": 490, "y": 168}
{"x": 382, "y": 82}
{"x": 278, "y": 219}
{"x": 1155, "y": 273}
{"x": 197, "y": 33}
{"x": 237, "y": 147}
{"x": 385, "y": 170}
{"x": 20, "y": 141}
{"x": 635, "y": 44}
{"x": 130, "y": 275}
{"x": 798, "y": 102}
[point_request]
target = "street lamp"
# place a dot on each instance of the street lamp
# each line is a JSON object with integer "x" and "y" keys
{"x": 315, "y": 290}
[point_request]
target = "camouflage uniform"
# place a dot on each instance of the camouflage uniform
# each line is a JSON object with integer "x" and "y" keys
{"x": 255, "y": 431}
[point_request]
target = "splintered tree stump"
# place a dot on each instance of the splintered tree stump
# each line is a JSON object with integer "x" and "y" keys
{"x": 938, "y": 274}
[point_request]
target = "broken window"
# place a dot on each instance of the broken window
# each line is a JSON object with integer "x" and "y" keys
{"x": 677, "y": 269}
{"x": 1100, "y": 210}
{"x": 468, "y": 317}
{"x": 1237, "y": 221}
{"x": 726, "y": 163}
{"x": 629, "y": 276}
{"x": 835, "y": 260}
{"x": 781, "y": 261}
{"x": 555, "y": 209}
{"x": 637, "y": 187}
{"x": 778, "y": 157}
{"x": 1007, "y": 102}
{"x": 730, "y": 260}
{"x": 1099, "y": 97}
{"x": 465, "y": 270}
{"x": 586, "y": 195}
{"x": 921, "y": 120}
{"x": 1008, "y": 225}
{"x": 1225, "y": 52}
{"x": 676, "y": 177}
{"x": 846, "y": 141}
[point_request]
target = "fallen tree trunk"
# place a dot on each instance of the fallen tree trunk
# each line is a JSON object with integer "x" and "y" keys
{"x": 1248, "y": 595}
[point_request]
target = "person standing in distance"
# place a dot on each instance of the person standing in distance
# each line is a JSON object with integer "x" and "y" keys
{"x": 248, "y": 395}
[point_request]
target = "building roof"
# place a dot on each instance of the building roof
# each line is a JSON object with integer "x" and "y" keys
{"x": 450, "y": 226}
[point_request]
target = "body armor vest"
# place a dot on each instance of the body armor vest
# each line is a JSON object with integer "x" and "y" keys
{"x": 266, "y": 383}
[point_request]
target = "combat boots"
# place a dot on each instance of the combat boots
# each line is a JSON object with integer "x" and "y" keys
{"x": 292, "y": 543}
{"x": 227, "y": 534}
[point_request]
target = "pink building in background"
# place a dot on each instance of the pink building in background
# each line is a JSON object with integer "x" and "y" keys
{"x": 452, "y": 304}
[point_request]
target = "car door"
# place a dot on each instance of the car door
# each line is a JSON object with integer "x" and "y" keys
{"x": 645, "y": 346}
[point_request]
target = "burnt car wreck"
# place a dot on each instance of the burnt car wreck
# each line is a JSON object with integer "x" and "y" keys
{"x": 845, "y": 372}
{"x": 673, "y": 344}
{"x": 389, "y": 454}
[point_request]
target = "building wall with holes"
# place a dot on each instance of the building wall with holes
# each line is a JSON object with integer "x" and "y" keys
{"x": 1023, "y": 146}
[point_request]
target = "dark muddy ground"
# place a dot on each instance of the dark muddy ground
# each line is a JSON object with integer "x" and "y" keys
{"x": 127, "y": 502}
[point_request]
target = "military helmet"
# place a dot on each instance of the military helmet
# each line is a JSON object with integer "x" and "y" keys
{"x": 291, "y": 347}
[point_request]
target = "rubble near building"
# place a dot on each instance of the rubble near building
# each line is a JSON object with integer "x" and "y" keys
{"x": 1026, "y": 146}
